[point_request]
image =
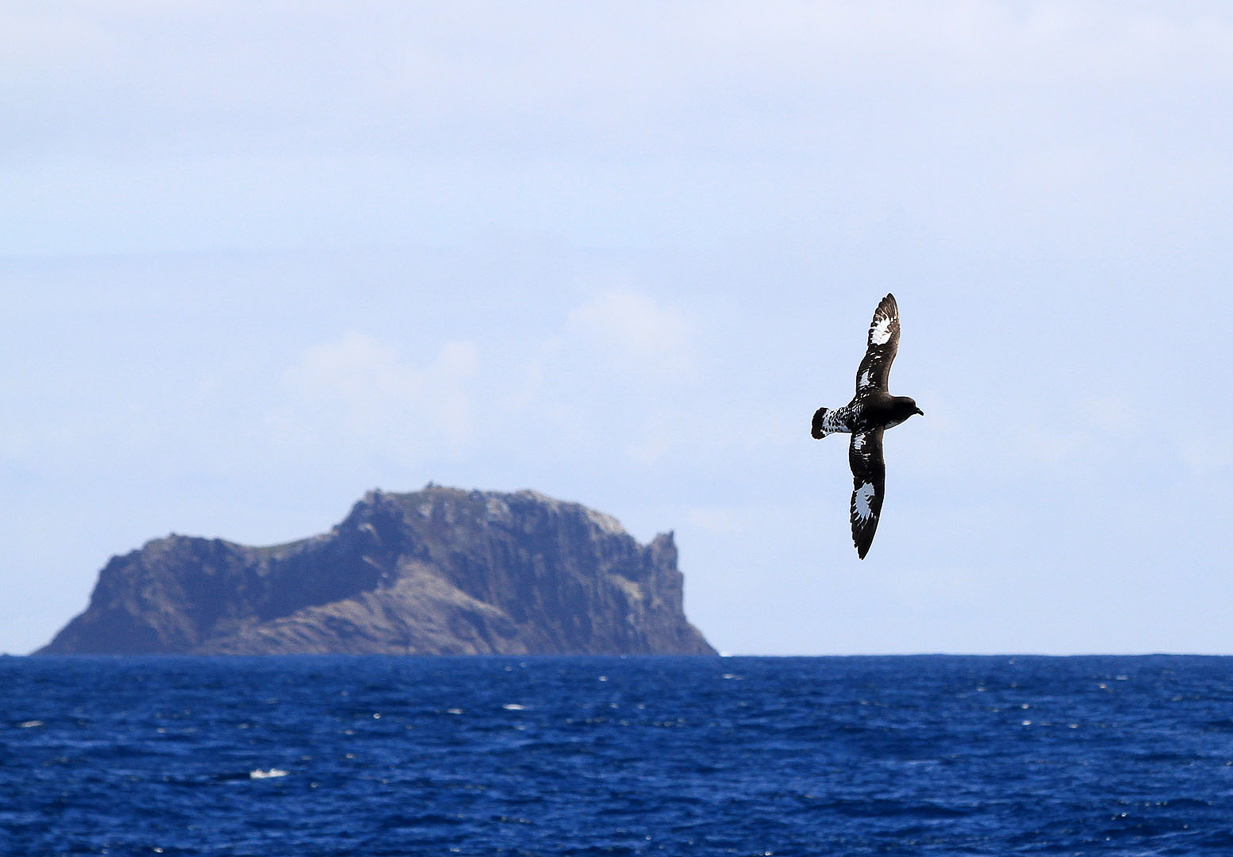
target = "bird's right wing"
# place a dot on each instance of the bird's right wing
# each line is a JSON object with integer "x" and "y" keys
{"x": 868, "y": 484}
{"x": 883, "y": 342}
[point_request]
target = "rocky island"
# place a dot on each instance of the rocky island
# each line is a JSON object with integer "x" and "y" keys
{"x": 437, "y": 571}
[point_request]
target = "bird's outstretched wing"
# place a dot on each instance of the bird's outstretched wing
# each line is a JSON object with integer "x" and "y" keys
{"x": 868, "y": 483}
{"x": 874, "y": 372}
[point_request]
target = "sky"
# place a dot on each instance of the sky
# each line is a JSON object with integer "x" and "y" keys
{"x": 257, "y": 259}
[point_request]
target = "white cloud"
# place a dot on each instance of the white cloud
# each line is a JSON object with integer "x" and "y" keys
{"x": 612, "y": 376}
{"x": 138, "y": 127}
{"x": 1210, "y": 458}
{"x": 357, "y": 392}
{"x": 632, "y": 333}
{"x": 968, "y": 41}
{"x": 718, "y": 519}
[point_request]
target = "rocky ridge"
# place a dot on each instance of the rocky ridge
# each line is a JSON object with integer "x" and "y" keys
{"x": 438, "y": 571}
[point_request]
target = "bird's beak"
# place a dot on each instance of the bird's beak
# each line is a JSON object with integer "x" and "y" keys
{"x": 919, "y": 411}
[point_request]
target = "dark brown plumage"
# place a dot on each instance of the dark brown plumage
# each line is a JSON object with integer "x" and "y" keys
{"x": 872, "y": 410}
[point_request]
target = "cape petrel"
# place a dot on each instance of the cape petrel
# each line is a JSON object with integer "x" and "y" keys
{"x": 871, "y": 411}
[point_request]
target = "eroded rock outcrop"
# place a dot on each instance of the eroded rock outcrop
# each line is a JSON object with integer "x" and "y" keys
{"x": 438, "y": 571}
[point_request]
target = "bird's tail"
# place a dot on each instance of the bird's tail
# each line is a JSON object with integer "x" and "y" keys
{"x": 819, "y": 432}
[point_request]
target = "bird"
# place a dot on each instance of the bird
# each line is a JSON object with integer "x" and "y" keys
{"x": 872, "y": 410}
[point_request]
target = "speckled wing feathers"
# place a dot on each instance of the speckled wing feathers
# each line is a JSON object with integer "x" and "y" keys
{"x": 883, "y": 342}
{"x": 868, "y": 484}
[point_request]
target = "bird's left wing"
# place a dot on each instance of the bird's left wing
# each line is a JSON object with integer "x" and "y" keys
{"x": 868, "y": 484}
{"x": 880, "y": 348}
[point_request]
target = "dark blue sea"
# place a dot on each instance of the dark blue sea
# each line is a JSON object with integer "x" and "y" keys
{"x": 616, "y": 756}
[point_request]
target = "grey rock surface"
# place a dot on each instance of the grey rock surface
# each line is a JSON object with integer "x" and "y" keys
{"x": 437, "y": 571}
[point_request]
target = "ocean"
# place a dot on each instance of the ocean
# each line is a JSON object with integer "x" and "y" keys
{"x": 930, "y": 755}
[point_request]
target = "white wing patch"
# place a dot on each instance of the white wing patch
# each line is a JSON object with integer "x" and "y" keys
{"x": 862, "y": 498}
{"x": 834, "y": 421}
{"x": 866, "y": 378}
{"x": 880, "y": 333}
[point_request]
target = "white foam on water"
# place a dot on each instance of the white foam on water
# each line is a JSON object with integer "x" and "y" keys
{"x": 513, "y": 706}
{"x": 30, "y": 724}
{"x": 266, "y": 773}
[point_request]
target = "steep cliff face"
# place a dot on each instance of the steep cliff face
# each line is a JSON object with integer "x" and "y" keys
{"x": 438, "y": 571}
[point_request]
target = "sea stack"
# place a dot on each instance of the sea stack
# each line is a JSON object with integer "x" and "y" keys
{"x": 437, "y": 571}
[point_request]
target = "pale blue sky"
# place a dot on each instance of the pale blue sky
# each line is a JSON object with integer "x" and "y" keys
{"x": 256, "y": 259}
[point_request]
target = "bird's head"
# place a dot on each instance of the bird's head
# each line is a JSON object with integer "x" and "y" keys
{"x": 905, "y": 407}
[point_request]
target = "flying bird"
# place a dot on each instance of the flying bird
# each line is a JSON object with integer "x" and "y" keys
{"x": 871, "y": 411}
